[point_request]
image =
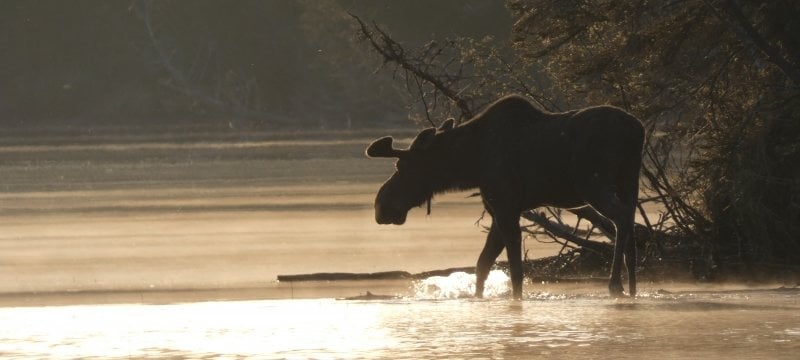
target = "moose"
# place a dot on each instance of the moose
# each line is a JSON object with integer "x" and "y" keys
{"x": 521, "y": 158}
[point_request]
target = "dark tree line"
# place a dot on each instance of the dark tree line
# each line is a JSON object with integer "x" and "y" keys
{"x": 257, "y": 63}
{"x": 718, "y": 82}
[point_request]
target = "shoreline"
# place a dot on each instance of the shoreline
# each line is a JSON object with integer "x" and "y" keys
{"x": 270, "y": 291}
{"x": 356, "y": 289}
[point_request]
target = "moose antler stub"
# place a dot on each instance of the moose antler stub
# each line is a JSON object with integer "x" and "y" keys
{"x": 382, "y": 148}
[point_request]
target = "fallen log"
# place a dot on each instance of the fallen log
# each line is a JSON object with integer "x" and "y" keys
{"x": 385, "y": 275}
{"x": 443, "y": 272}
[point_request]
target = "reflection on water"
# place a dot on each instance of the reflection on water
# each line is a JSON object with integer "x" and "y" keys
{"x": 205, "y": 216}
{"x": 576, "y": 323}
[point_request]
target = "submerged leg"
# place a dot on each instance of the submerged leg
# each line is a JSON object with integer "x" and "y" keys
{"x": 493, "y": 247}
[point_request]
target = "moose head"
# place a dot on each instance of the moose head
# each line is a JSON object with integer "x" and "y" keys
{"x": 410, "y": 185}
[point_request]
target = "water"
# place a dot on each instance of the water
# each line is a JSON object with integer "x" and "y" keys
{"x": 123, "y": 246}
{"x": 167, "y": 211}
{"x": 561, "y": 322}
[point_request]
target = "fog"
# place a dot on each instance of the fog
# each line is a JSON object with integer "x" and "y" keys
{"x": 208, "y": 214}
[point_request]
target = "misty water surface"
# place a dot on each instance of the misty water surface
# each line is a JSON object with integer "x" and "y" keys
{"x": 114, "y": 247}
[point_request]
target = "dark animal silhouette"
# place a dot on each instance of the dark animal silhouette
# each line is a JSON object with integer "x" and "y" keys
{"x": 521, "y": 158}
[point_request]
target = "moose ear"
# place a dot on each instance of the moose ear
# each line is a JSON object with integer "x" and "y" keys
{"x": 448, "y": 125}
{"x": 423, "y": 139}
{"x": 382, "y": 148}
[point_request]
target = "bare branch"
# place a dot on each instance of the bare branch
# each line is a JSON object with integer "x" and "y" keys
{"x": 565, "y": 233}
{"x": 394, "y": 52}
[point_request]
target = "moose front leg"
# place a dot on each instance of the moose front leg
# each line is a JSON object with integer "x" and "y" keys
{"x": 491, "y": 250}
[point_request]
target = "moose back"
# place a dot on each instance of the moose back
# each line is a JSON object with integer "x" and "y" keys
{"x": 520, "y": 158}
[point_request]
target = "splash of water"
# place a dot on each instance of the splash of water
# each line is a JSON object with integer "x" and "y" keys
{"x": 460, "y": 285}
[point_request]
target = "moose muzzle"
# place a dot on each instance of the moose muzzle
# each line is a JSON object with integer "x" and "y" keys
{"x": 387, "y": 215}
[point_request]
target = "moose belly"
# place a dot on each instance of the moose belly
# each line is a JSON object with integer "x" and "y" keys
{"x": 553, "y": 190}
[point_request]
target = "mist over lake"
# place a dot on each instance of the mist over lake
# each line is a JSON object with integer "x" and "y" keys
{"x": 115, "y": 238}
{"x": 190, "y": 180}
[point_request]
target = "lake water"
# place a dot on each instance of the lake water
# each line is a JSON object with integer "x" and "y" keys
{"x": 428, "y": 322}
{"x": 168, "y": 245}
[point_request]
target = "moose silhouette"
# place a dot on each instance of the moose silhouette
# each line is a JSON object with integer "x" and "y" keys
{"x": 521, "y": 158}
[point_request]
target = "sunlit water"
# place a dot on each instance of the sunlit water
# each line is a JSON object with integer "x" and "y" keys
{"x": 148, "y": 231}
{"x": 434, "y": 320}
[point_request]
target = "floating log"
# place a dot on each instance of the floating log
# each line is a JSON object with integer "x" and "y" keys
{"x": 443, "y": 272}
{"x": 385, "y": 275}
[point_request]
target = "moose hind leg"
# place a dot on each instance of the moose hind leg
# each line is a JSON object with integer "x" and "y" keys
{"x": 491, "y": 250}
{"x": 508, "y": 227}
{"x": 615, "y": 280}
{"x": 630, "y": 263}
{"x": 629, "y": 194}
{"x": 609, "y": 205}
{"x": 624, "y": 244}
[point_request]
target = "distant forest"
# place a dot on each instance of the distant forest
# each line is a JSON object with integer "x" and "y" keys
{"x": 295, "y": 64}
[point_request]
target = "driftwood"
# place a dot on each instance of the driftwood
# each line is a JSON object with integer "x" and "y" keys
{"x": 568, "y": 234}
{"x": 404, "y": 275}
{"x": 385, "y": 275}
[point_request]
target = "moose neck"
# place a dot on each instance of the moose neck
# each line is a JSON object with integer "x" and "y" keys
{"x": 456, "y": 154}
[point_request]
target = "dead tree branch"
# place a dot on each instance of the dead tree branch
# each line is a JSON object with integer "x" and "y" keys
{"x": 393, "y": 52}
{"x": 565, "y": 232}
